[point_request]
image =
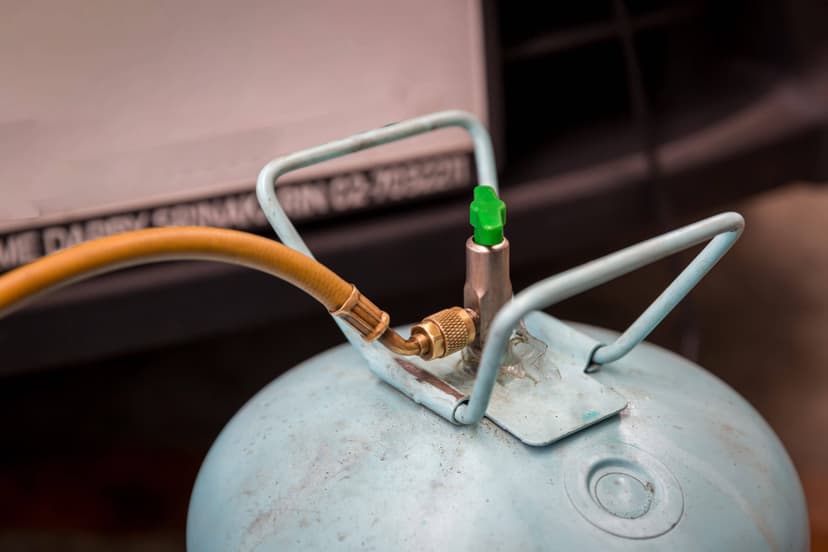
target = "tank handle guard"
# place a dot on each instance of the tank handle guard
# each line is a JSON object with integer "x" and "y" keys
{"x": 407, "y": 377}
{"x": 266, "y": 183}
{"x": 722, "y": 230}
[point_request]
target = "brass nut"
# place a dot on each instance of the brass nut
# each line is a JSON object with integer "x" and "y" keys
{"x": 445, "y": 332}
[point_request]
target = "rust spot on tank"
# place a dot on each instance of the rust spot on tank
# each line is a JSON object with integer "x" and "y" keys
{"x": 424, "y": 376}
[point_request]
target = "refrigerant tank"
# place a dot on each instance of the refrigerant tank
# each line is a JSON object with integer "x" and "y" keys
{"x": 328, "y": 457}
{"x": 512, "y": 431}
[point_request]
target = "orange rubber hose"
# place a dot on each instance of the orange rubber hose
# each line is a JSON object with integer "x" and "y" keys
{"x": 171, "y": 244}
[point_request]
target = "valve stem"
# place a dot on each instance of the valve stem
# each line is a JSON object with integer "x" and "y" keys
{"x": 488, "y": 287}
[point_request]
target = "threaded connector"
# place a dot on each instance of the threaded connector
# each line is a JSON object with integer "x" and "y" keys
{"x": 437, "y": 336}
{"x": 363, "y": 315}
{"x": 445, "y": 332}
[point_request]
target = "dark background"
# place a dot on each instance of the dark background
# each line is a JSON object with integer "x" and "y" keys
{"x": 660, "y": 113}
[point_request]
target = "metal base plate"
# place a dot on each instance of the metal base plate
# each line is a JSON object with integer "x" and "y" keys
{"x": 554, "y": 398}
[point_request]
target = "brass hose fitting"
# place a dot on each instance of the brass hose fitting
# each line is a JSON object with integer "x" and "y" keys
{"x": 437, "y": 336}
{"x": 398, "y": 345}
{"x": 363, "y": 315}
{"x": 445, "y": 332}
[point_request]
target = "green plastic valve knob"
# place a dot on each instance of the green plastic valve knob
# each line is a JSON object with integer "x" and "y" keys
{"x": 487, "y": 214}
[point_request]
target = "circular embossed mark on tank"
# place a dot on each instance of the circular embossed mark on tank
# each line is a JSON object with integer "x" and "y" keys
{"x": 624, "y": 495}
{"x": 623, "y": 490}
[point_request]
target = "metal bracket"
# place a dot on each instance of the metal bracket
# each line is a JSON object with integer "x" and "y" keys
{"x": 559, "y": 398}
{"x": 555, "y": 399}
{"x": 402, "y": 373}
{"x": 266, "y": 183}
{"x": 724, "y": 229}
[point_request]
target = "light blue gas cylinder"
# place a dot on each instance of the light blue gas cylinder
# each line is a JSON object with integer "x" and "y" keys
{"x": 328, "y": 457}
{"x": 559, "y": 437}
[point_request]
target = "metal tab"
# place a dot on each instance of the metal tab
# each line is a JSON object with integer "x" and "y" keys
{"x": 555, "y": 398}
{"x": 564, "y": 399}
{"x": 552, "y": 399}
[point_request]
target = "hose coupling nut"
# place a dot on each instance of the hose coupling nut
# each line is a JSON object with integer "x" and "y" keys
{"x": 363, "y": 315}
{"x": 445, "y": 332}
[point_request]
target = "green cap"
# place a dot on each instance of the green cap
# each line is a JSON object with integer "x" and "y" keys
{"x": 487, "y": 214}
